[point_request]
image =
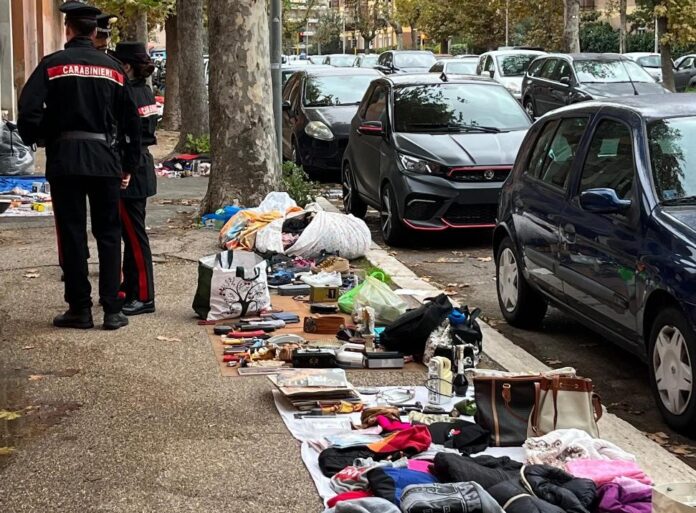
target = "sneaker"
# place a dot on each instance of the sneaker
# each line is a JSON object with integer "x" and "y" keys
{"x": 114, "y": 321}
{"x": 78, "y": 319}
{"x": 332, "y": 264}
{"x": 135, "y": 307}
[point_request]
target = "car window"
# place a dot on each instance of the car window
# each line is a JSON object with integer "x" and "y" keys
{"x": 686, "y": 63}
{"x": 604, "y": 71}
{"x": 559, "y": 158}
{"x": 289, "y": 85}
{"x": 609, "y": 162}
{"x": 414, "y": 60}
{"x": 548, "y": 69}
{"x": 536, "y": 160}
{"x": 376, "y": 107}
{"x": 488, "y": 65}
{"x": 672, "y": 143}
{"x": 387, "y": 61}
{"x": 463, "y": 68}
{"x": 437, "y": 68}
{"x": 294, "y": 92}
{"x": 535, "y": 67}
{"x": 562, "y": 71}
{"x": 515, "y": 65}
{"x": 322, "y": 91}
{"x": 651, "y": 61}
{"x": 363, "y": 106}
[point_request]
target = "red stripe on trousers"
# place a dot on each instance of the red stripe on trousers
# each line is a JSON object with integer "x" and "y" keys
{"x": 137, "y": 252}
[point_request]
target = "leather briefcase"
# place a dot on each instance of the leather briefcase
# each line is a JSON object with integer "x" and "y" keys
{"x": 324, "y": 325}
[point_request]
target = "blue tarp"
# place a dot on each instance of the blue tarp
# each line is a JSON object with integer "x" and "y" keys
{"x": 7, "y": 183}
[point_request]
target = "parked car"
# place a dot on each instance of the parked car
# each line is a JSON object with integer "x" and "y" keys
{"x": 456, "y": 66}
{"x": 431, "y": 152}
{"x": 507, "y": 67}
{"x": 405, "y": 61}
{"x": 599, "y": 219}
{"x": 685, "y": 73}
{"x": 651, "y": 62}
{"x": 340, "y": 60}
{"x": 555, "y": 80}
{"x": 297, "y": 65}
{"x": 366, "y": 60}
{"x": 318, "y": 105}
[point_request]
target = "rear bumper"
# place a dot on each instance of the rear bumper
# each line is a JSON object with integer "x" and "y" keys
{"x": 431, "y": 203}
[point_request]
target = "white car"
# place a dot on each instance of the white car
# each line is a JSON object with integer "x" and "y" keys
{"x": 507, "y": 67}
{"x": 651, "y": 62}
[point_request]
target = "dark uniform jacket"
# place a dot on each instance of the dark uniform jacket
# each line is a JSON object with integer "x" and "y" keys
{"x": 74, "y": 93}
{"x": 143, "y": 183}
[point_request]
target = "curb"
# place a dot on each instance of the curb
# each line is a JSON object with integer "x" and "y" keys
{"x": 656, "y": 461}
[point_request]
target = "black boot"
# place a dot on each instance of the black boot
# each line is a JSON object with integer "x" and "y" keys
{"x": 78, "y": 319}
{"x": 114, "y": 321}
{"x": 135, "y": 307}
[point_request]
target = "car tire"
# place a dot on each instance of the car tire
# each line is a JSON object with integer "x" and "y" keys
{"x": 390, "y": 223}
{"x": 520, "y": 304}
{"x": 529, "y": 108}
{"x": 672, "y": 360}
{"x": 352, "y": 203}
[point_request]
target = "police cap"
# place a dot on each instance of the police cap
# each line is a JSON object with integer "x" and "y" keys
{"x": 78, "y": 9}
{"x": 104, "y": 22}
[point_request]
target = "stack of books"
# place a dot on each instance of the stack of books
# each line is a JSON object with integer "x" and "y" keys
{"x": 306, "y": 388}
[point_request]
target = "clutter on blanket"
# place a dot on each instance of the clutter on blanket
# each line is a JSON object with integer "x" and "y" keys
{"x": 184, "y": 165}
{"x": 25, "y": 196}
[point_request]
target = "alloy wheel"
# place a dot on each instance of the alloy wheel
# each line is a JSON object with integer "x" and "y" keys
{"x": 386, "y": 215}
{"x": 508, "y": 285}
{"x": 529, "y": 107}
{"x": 347, "y": 189}
{"x": 673, "y": 371}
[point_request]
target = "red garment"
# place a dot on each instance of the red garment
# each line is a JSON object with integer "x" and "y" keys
{"x": 347, "y": 496}
{"x": 412, "y": 440}
{"x": 389, "y": 425}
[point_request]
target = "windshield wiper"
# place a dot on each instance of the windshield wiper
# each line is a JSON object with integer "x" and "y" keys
{"x": 448, "y": 127}
{"x": 686, "y": 200}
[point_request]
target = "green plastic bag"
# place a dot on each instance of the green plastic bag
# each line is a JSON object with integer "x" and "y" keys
{"x": 346, "y": 301}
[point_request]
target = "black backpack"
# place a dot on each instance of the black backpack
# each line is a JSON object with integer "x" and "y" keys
{"x": 409, "y": 333}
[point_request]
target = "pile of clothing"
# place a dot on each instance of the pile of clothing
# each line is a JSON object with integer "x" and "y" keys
{"x": 184, "y": 165}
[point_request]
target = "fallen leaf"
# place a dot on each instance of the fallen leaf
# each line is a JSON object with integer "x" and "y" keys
{"x": 6, "y": 451}
{"x": 27, "y": 348}
{"x": 31, "y": 274}
{"x": 554, "y": 362}
{"x": 9, "y": 415}
{"x": 168, "y": 339}
{"x": 659, "y": 437}
{"x": 36, "y": 377}
{"x": 452, "y": 285}
{"x": 484, "y": 259}
{"x": 682, "y": 450}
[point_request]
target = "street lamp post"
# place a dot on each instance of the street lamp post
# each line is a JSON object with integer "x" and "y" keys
{"x": 276, "y": 76}
{"x": 507, "y": 22}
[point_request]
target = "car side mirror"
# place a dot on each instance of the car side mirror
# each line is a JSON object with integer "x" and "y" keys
{"x": 603, "y": 201}
{"x": 565, "y": 81}
{"x": 286, "y": 105}
{"x": 491, "y": 73}
{"x": 371, "y": 128}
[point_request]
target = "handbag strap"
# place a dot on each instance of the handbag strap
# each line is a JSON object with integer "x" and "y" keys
{"x": 506, "y": 393}
{"x": 597, "y": 404}
{"x": 241, "y": 273}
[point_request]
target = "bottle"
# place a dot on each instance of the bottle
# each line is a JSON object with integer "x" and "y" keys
{"x": 460, "y": 383}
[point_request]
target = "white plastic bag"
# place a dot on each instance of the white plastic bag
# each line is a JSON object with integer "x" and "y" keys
{"x": 279, "y": 201}
{"x": 388, "y": 306}
{"x": 331, "y": 231}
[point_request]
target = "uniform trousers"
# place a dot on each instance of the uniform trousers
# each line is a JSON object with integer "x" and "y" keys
{"x": 69, "y": 195}
{"x": 138, "y": 278}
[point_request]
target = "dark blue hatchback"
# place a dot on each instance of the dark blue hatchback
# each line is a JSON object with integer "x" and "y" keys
{"x": 598, "y": 217}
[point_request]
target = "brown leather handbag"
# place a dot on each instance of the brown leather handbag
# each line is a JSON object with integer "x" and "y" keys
{"x": 563, "y": 403}
{"x": 324, "y": 324}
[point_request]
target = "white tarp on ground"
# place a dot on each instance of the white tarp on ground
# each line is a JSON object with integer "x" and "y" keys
{"x": 317, "y": 427}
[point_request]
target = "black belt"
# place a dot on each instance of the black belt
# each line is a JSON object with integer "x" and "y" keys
{"x": 84, "y": 136}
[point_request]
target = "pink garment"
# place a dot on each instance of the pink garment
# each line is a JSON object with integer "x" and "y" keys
{"x": 605, "y": 471}
{"x": 389, "y": 425}
{"x": 420, "y": 465}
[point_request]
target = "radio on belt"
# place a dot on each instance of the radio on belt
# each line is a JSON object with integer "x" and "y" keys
{"x": 384, "y": 360}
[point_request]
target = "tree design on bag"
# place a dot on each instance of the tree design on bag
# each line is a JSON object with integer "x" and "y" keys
{"x": 241, "y": 295}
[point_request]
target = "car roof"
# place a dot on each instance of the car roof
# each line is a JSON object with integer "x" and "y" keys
{"x": 496, "y": 53}
{"x": 641, "y": 54}
{"x": 331, "y": 71}
{"x": 434, "y": 78}
{"x": 459, "y": 59}
{"x": 649, "y": 106}
{"x": 337, "y": 55}
{"x": 411, "y": 51}
{"x": 608, "y": 57}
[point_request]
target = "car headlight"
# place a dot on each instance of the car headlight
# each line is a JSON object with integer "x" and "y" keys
{"x": 420, "y": 166}
{"x": 319, "y": 130}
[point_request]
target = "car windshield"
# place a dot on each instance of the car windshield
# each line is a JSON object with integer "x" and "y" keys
{"x": 457, "y": 108}
{"x": 592, "y": 72}
{"x": 515, "y": 65}
{"x": 335, "y": 90}
{"x": 463, "y": 68}
{"x": 342, "y": 60}
{"x": 369, "y": 60}
{"x": 651, "y": 61}
{"x": 673, "y": 157}
{"x": 414, "y": 60}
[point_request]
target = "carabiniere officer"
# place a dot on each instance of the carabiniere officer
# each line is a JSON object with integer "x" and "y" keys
{"x": 79, "y": 104}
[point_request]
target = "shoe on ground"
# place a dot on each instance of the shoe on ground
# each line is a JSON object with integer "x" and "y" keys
{"x": 135, "y": 307}
{"x": 114, "y": 321}
{"x": 78, "y": 319}
{"x": 332, "y": 264}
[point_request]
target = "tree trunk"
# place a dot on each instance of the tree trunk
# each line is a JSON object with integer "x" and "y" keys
{"x": 141, "y": 33}
{"x": 172, "y": 100}
{"x": 245, "y": 163}
{"x": 399, "y": 31}
{"x": 368, "y": 42}
{"x": 666, "y": 53}
{"x": 622, "y": 26}
{"x": 414, "y": 38}
{"x": 571, "y": 32}
{"x": 194, "y": 104}
{"x": 444, "y": 46}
